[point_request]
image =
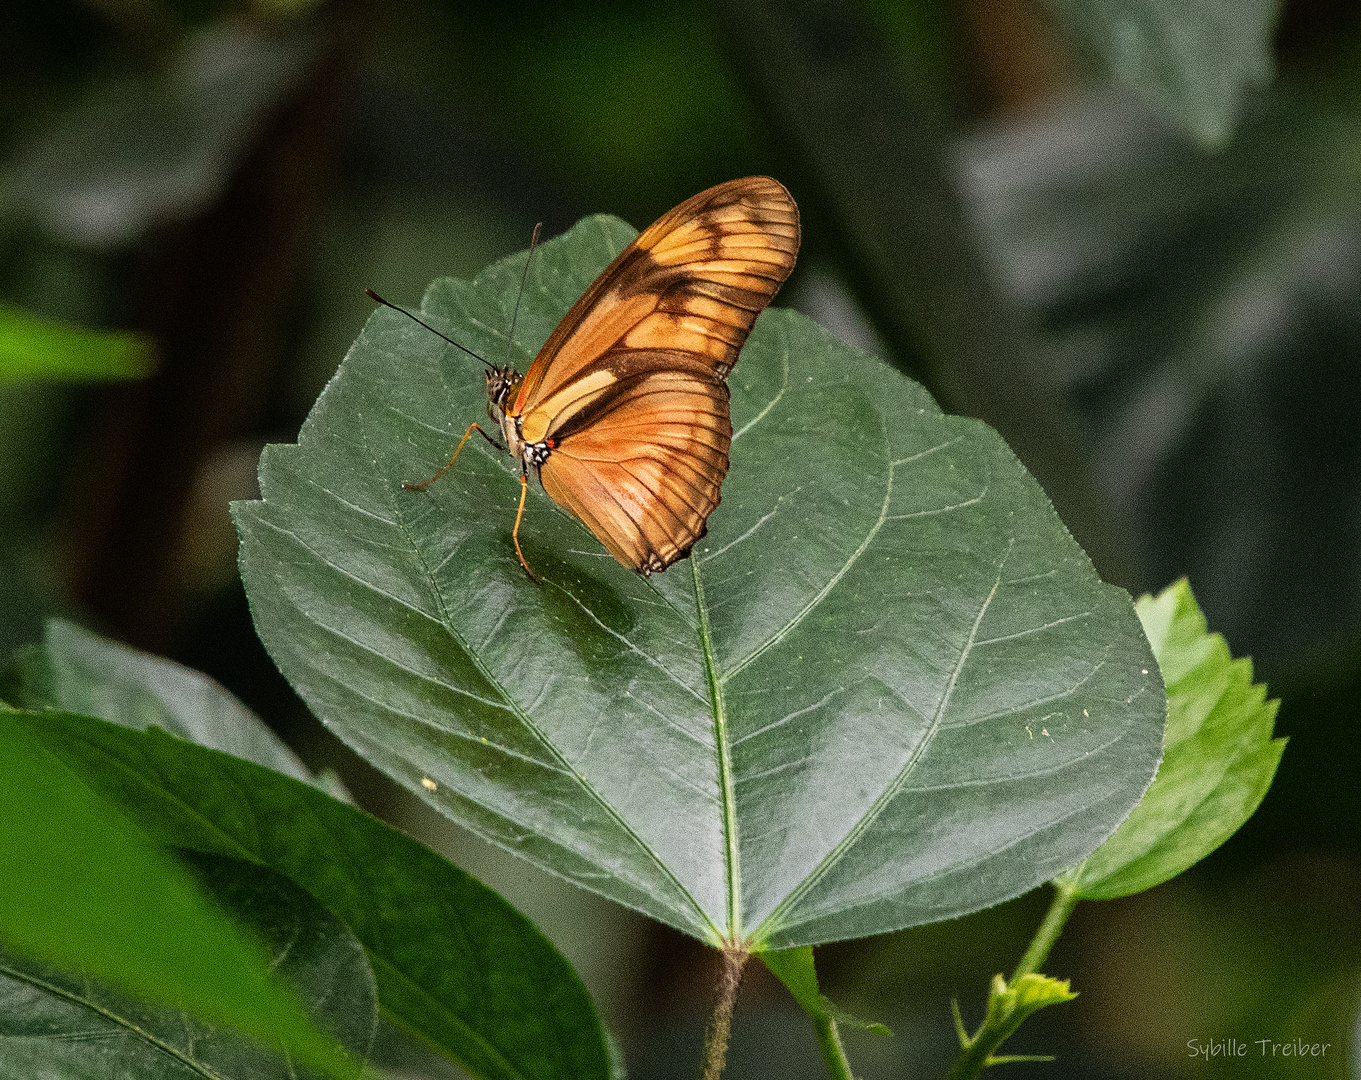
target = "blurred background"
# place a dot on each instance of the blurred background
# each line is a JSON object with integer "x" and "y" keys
{"x": 1149, "y": 283}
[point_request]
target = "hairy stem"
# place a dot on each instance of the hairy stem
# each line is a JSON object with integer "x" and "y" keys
{"x": 729, "y": 979}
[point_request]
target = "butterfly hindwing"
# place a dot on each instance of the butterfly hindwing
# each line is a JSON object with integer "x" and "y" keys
{"x": 644, "y": 473}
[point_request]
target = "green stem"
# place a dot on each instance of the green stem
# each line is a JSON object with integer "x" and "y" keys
{"x": 830, "y": 1041}
{"x": 970, "y": 1063}
{"x": 1065, "y": 899}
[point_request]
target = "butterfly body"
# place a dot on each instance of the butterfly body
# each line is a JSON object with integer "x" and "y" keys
{"x": 623, "y": 414}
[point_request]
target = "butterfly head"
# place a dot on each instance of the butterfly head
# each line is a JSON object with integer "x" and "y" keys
{"x": 502, "y": 385}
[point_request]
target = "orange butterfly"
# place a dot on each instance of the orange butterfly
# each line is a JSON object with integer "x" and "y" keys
{"x": 624, "y": 413}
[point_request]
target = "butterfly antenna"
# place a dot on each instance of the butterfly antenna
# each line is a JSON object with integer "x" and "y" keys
{"x": 515, "y": 314}
{"x": 415, "y": 318}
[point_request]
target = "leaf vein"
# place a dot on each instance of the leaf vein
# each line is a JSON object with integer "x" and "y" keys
{"x": 111, "y": 1017}
{"x": 803, "y": 612}
{"x": 785, "y": 719}
{"x": 1033, "y": 630}
{"x": 346, "y": 502}
{"x": 941, "y": 509}
{"x": 623, "y": 639}
{"x": 894, "y": 787}
{"x": 784, "y": 385}
{"x": 1014, "y": 709}
{"x": 745, "y": 535}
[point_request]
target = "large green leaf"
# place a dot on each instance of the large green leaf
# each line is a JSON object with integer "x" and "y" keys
{"x": 92, "y": 893}
{"x": 888, "y": 688}
{"x": 1192, "y": 59}
{"x": 454, "y": 963}
{"x": 59, "y": 1024}
{"x": 1219, "y": 761}
{"x": 73, "y": 670}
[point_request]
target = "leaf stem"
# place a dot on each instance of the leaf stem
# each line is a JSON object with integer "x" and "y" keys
{"x": 829, "y": 1038}
{"x": 729, "y": 979}
{"x": 974, "y": 1056}
{"x": 1065, "y": 899}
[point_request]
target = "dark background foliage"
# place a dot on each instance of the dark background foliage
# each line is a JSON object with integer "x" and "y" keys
{"x": 1167, "y": 335}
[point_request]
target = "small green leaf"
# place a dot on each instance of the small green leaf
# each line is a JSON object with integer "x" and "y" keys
{"x": 1026, "y": 995}
{"x": 455, "y": 964}
{"x": 56, "y": 1023}
{"x": 1010, "y": 1005}
{"x": 1008, "y": 1008}
{"x": 1218, "y": 762}
{"x": 33, "y": 348}
{"x": 75, "y": 671}
{"x": 97, "y": 896}
{"x": 1193, "y": 60}
{"x": 794, "y": 968}
{"x": 887, "y": 688}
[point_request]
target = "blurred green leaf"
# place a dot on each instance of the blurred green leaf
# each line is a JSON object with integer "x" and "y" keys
{"x": 625, "y": 95}
{"x": 877, "y": 152}
{"x": 887, "y": 689}
{"x": 795, "y": 968}
{"x": 75, "y": 671}
{"x": 95, "y": 895}
{"x": 1208, "y": 316}
{"x": 141, "y": 151}
{"x": 455, "y": 964}
{"x": 57, "y": 1023}
{"x": 33, "y": 348}
{"x": 284, "y": 10}
{"x": 1193, "y": 60}
{"x": 1218, "y": 762}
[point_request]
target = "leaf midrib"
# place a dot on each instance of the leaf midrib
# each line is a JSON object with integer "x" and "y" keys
{"x": 723, "y": 751}
{"x": 113, "y": 1018}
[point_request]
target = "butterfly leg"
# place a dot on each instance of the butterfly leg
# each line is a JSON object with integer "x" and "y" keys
{"x": 515, "y": 532}
{"x": 474, "y": 427}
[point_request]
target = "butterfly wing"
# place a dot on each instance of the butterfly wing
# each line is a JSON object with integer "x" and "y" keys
{"x": 629, "y": 390}
{"x": 693, "y": 282}
{"x": 643, "y": 472}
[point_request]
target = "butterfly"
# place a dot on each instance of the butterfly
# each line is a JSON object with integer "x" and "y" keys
{"x": 623, "y": 415}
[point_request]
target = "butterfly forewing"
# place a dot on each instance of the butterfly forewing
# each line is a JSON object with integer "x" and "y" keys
{"x": 695, "y": 281}
{"x": 628, "y": 393}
